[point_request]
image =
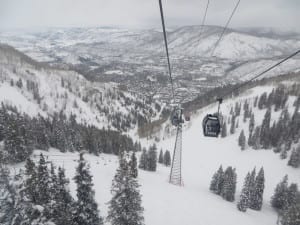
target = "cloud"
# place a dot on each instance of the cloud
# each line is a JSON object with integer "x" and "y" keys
{"x": 144, "y": 13}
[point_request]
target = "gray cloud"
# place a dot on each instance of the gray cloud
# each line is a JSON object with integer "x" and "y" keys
{"x": 144, "y": 13}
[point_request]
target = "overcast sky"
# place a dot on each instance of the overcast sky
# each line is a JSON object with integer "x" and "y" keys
{"x": 145, "y": 13}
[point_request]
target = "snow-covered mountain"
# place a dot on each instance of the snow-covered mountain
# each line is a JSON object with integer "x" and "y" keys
{"x": 36, "y": 88}
{"x": 130, "y": 56}
{"x": 187, "y": 41}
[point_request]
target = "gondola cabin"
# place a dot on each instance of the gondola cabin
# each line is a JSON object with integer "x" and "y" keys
{"x": 211, "y": 126}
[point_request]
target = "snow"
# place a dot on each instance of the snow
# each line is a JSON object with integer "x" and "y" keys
{"x": 193, "y": 203}
{"x": 11, "y": 96}
{"x": 118, "y": 72}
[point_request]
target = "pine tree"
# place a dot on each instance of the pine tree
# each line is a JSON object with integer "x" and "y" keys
{"x": 292, "y": 194}
{"x": 167, "y": 158}
{"x": 265, "y": 130}
{"x": 252, "y": 190}
{"x": 232, "y": 126}
{"x": 242, "y": 140}
{"x": 217, "y": 181}
{"x": 125, "y": 205}
{"x": 86, "y": 207}
{"x": 244, "y": 201}
{"x": 291, "y": 216}
{"x": 31, "y": 180}
{"x": 255, "y": 102}
{"x": 251, "y": 123}
{"x": 279, "y": 199}
{"x": 255, "y": 139}
{"x": 152, "y": 158}
{"x": 43, "y": 182}
{"x": 15, "y": 142}
{"x": 144, "y": 160}
{"x": 262, "y": 101}
{"x": 7, "y": 204}
{"x": 257, "y": 200}
{"x": 64, "y": 203}
{"x": 246, "y": 111}
{"x": 294, "y": 160}
{"x": 161, "y": 157}
{"x": 229, "y": 185}
{"x": 133, "y": 166}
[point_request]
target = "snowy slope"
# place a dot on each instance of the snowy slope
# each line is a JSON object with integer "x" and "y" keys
{"x": 64, "y": 90}
{"x": 192, "y": 204}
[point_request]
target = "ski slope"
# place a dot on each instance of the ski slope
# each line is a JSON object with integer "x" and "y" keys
{"x": 193, "y": 203}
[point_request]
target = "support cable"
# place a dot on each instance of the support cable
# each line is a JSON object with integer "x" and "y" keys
{"x": 167, "y": 49}
{"x": 225, "y": 28}
{"x": 260, "y": 74}
{"x": 203, "y": 20}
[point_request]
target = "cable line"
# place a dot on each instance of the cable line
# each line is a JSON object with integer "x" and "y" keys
{"x": 203, "y": 20}
{"x": 224, "y": 29}
{"x": 166, "y": 45}
{"x": 262, "y": 73}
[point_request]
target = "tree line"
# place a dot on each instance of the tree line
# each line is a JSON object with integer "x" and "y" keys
{"x": 223, "y": 183}
{"x": 285, "y": 200}
{"x": 21, "y": 134}
{"x": 281, "y": 135}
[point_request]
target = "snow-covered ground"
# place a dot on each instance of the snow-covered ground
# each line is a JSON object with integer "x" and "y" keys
{"x": 193, "y": 203}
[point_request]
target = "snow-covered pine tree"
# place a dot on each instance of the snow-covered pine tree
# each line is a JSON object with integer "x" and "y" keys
{"x": 252, "y": 188}
{"x": 294, "y": 160}
{"x": 43, "y": 183}
{"x": 232, "y": 125}
{"x": 152, "y": 158}
{"x": 291, "y": 216}
{"x": 31, "y": 181}
{"x": 133, "y": 166}
{"x": 255, "y": 139}
{"x": 251, "y": 123}
{"x": 86, "y": 212}
{"x": 242, "y": 140}
{"x": 237, "y": 123}
{"x": 246, "y": 111}
{"x": 64, "y": 203}
{"x": 229, "y": 184}
{"x": 293, "y": 195}
{"x": 257, "y": 199}
{"x": 161, "y": 157}
{"x": 167, "y": 158}
{"x": 244, "y": 201}
{"x": 237, "y": 108}
{"x": 144, "y": 160}
{"x": 125, "y": 206}
{"x": 42, "y": 137}
{"x": 216, "y": 182}
{"x": 262, "y": 101}
{"x": 7, "y": 204}
{"x": 14, "y": 142}
{"x": 279, "y": 199}
{"x": 265, "y": 130}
